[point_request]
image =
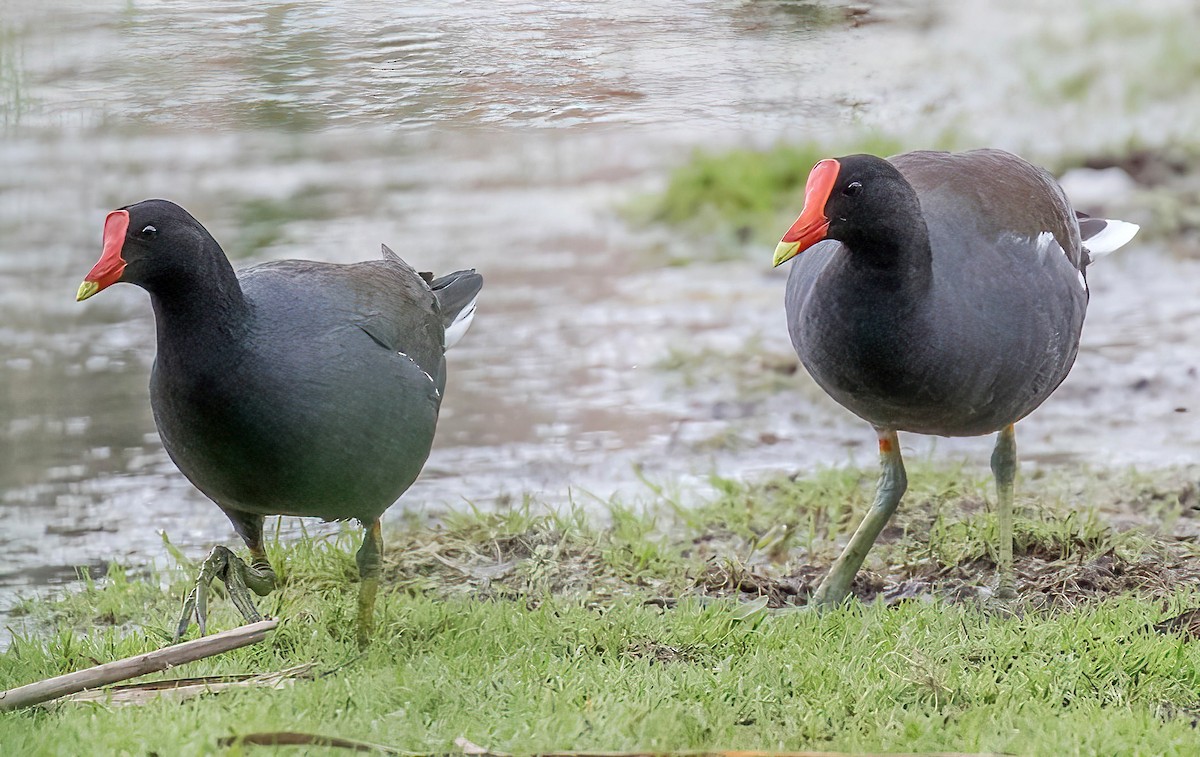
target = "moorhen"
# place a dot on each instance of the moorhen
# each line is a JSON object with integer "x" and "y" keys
{"x": 941, "y": 293}
{"x": 288, "y": 388}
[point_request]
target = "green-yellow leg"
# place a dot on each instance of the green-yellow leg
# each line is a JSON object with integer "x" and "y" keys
{"x": 239, "y": 579}
{"x": 369, "y": 558}
{"x": 1004, "y": 468}
{"x": 892, "y": 483}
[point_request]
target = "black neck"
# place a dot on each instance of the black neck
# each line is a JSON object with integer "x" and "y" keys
{"x": 877, "y": 294}
{"x": 898, "y": 261}
{"x": 200, "y": 305}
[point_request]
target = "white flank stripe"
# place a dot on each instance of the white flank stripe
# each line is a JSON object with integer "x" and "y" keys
{"x": 1045, "y": 243}
{"x": 422, "y": 370}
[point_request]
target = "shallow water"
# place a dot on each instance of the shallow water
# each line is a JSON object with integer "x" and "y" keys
{"x": 506, "y": 139}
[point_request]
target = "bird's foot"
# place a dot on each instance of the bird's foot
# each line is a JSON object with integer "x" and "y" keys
{"x": 239, "y": 579}
{"x": 1005, "y": 592}
{"x": 759, "y": 608}
{"x": 1003, "y": 603}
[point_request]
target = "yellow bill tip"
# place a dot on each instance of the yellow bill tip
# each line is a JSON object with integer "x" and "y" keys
{"x": 86, "y": 289}
{"x": 785, "y": 251}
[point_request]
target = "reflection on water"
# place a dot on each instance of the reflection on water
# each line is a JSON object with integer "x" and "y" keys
{"x": 501, "y": 137}
{"x": 306, "y": 66}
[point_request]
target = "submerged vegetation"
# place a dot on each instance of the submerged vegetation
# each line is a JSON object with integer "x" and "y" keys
{"x": 735, "y": 198}
{"x": 263, "y": 221}
{"x": 650, "y": 628}
{"x": 752, "y": 369}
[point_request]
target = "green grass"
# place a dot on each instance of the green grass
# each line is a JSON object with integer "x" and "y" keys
{"x": 527, "y": 629}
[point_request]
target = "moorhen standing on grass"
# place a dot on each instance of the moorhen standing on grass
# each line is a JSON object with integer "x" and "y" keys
{"x": 941, "y": 293}
{"x": 289, "y": 388}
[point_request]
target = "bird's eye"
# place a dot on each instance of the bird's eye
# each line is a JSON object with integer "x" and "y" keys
{"x": 852, "y": 189}
{"x": 149, "y": 231}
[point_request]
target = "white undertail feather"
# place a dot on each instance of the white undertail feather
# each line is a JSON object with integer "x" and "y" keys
{"x": 1114, "y": 236}
{"x": 462, "y": 322}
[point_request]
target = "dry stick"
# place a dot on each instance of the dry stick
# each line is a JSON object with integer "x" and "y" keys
{"x": 138, "y": 665}
{"x": 294, "y": 738}
{"x": 754, "y": 753}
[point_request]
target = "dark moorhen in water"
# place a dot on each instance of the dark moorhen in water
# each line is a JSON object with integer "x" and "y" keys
{"x": 940, "y": 294}
{"x": 289, "y": 388}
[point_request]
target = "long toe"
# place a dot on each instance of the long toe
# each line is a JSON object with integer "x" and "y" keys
{"x": 239, "y": 594}
{"x": 185, "y": 617}
{"x": 238, "y": 578}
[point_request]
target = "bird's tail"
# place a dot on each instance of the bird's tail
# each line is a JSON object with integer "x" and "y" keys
{"x": 1103, "y": 235}
{"x": 457, "y": 293}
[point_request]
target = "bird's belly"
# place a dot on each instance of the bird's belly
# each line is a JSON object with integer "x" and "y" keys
{"x": 297, "y": 451}
{"x": 929, "y": 402}
{"x": 874, "y": 381}
{"x": 964, "y": 379}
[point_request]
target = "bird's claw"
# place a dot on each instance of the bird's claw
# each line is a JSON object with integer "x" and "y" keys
{"x": 1002, "y": 604}
{"x": 239, "y": 579}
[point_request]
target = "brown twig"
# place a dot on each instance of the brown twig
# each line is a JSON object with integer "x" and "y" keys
{"x": 132, "y": 667}
{"x": 470, "y": 749}
{"x": 742, "y": 753}
{"x": 294, "y": 738}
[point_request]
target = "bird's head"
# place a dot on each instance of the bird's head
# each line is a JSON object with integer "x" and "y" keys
{"x": 860, "y": 200}
{"x": 142, "y": 243}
